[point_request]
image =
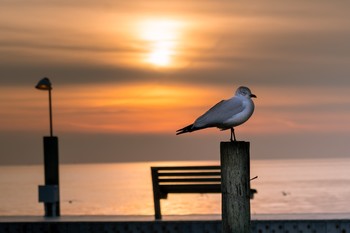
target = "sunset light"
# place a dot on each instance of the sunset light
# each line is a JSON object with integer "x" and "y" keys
{"x": 162, "y": 37}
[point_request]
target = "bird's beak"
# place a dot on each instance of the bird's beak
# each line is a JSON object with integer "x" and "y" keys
{"x": 252, "y": 96}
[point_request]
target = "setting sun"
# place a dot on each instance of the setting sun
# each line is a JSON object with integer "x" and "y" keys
{"x": 161, "y": 53}
{"x": 162, "y": 37}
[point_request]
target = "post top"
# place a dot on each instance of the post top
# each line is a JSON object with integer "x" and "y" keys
{"x": 235, "y": 142}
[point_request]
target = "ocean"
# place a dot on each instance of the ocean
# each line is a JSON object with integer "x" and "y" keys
{"x": 300, "y": 186}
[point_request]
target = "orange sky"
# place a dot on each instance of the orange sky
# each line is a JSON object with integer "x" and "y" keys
{"x": 150, "y": 67}
{"x": 157, "y": 108}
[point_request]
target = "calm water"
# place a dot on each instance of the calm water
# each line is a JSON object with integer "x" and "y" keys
{"x": 284, "y": 186}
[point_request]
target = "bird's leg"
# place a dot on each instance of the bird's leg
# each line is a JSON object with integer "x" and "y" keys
{"x": 233, "y": 134}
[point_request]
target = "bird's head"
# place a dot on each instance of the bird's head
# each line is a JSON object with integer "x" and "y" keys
{"x": 245, "y": 91}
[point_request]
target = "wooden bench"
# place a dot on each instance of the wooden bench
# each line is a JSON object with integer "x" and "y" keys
{"x": 185, "y": 179}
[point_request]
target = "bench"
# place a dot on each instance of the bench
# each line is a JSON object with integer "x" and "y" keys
{"x": 185, "y": 179}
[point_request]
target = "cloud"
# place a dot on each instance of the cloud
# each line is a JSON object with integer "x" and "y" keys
{"x": 256, "y": 43}
{"x": 105, "y": 148}
{"x": 73, "y": 74}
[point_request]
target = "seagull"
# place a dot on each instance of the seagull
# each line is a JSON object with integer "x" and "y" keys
{"x": 226, "y": 114}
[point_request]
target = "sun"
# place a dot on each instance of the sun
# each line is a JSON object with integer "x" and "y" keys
{"x": 161, "y": 53}
{"x": 162, "y": 38}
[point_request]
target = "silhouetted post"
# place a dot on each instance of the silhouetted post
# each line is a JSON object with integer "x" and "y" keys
{"x": 51, "y": 161}
{"x": 235, "y": 187}
{"x": 49, "y": 193}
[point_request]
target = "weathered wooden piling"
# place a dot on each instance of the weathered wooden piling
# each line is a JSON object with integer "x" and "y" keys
{"x": 235, "y": 186}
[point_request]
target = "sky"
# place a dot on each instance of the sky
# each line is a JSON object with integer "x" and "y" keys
{"x": 127, "y": 74}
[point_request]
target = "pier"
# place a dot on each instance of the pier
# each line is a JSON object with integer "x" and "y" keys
{"x": 173, "y": 224}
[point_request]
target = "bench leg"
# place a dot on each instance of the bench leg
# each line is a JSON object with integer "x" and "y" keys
{"x": 156, "y": 194}
{"x": 157, "y": 212}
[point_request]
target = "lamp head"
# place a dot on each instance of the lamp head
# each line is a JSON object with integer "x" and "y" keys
{"x": 44, "y": 84}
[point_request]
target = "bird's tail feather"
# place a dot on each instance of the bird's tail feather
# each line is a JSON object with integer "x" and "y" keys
{"x": 186, "y": 129}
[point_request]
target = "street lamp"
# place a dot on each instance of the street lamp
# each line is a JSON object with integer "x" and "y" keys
{"x": 45, "y": 85}
{"x": 49, "y": 193}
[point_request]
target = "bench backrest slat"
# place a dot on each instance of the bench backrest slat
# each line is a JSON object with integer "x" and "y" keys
{"x": 189, "y": 174}
{"x": 189, "y": 180}
{"x": 188, "y": 168}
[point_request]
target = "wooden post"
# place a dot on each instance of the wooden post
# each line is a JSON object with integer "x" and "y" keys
{"x": 235, "y": 187}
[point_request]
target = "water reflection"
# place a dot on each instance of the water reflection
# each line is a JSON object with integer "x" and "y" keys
{"x": 284, "y": 186}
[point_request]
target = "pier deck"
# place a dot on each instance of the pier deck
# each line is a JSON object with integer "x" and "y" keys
{"x": 319, "y": 223}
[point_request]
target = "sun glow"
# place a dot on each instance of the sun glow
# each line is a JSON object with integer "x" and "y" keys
{"x": 162, "y": 37}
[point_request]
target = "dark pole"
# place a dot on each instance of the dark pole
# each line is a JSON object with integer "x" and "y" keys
{"x": 50, "y": 110}
{"x": 49, "y": 193}
{"x": 51, "y": 169}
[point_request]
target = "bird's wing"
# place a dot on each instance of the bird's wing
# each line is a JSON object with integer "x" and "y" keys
{"x": 220, "y": 113}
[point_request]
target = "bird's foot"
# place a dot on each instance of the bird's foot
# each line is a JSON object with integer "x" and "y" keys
{"x": 233, "y": 135}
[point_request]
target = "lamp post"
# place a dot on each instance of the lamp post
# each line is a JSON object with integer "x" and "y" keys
{"x": 45, "y": 85}
{"x": 49, "y": 193}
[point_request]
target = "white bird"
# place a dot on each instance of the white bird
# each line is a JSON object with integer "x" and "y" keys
{"x": 226, "y": 114}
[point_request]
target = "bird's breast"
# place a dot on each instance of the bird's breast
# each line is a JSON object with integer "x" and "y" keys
{"x": 241, "y": 117}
